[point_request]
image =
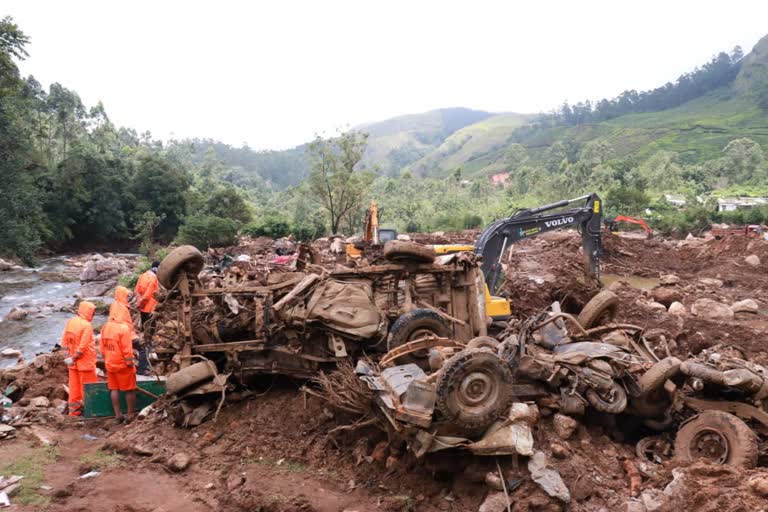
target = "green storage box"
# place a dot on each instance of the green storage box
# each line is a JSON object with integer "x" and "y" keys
{"x": 98, "y": 404}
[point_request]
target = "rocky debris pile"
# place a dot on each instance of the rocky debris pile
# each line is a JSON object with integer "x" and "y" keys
{"x": 100, "y": 274}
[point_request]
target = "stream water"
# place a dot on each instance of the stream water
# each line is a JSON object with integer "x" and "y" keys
{"x": 40, "y": 331}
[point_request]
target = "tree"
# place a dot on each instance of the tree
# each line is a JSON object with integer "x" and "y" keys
{"x": 333, "y": 180}
{"x": 515, "y": 156}
{"x": 228, "y": 202}
{"x": 160, "y": 187}
{"x": 745, "y": 162}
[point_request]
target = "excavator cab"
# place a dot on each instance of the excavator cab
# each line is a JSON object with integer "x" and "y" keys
{"x": 372, "y": 233}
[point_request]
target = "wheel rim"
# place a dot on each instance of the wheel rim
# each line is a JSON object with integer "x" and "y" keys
{"x": 475, "y": 391}
{"x": 710, "y": 445}
{"x": 417, "y": 335}
{"x": 609, "y": 396}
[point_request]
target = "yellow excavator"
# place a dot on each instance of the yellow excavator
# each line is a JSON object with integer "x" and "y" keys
{"x": 586, "y": 216}
{"x": 372, "y": 233}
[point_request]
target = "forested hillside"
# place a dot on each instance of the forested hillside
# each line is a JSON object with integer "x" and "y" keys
{"x": 71, "y": 179}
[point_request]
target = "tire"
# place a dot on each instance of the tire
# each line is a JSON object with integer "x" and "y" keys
{"x": 185, "y": 258}
{"x": 414, "y": 325}
{"x": 396, "y": 250}
{"x": 654, "y": 449}
{"x": 189, "y": 376}
{"x": 485, "y": 342}
{"x": 600, "y": 307}
{"x": 658, "y": 374}
{"x": 614, "y": 405}
{"x": 713, "y": 429}
{"x": 474, "y": 389}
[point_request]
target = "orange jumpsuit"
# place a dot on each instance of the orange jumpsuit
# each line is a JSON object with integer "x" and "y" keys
{"x": 117, "y": 347}
{"x": 145, "y": 290}
{"x": 119, "y": 309}
{"x": 77, "y": 340}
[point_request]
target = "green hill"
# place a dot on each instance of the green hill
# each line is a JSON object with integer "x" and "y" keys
{"x": 395, "y": 143}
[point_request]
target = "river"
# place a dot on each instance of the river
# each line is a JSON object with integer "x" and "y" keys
{"x": 42, "y": 328}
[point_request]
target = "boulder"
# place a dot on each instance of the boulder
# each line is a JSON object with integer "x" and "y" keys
{"x": 710, "y": 309}
{"x": 656, "y": 306}
{"x": 709, "y": 281}
{"x": 179, "y": 462}
{"x": 666, "y": 295}
{"x": 547, "y": 478}
{"x": 564, "y": 426}
{"x": 669, "y": 280}
{"x": 10, "y": 352}
{"x": 632, "y": 506}
{"x": 39, "y": 401}
{"x": 5, "y": 265}
{"x": 745, "y": 306}
{"x": 759, "y": 485}
{"x": 494, "y": 502}
{"x": 96, "y": 288}
{"x": 752, "y": 260}
{"x": 652, "y": 499}
{"x": 234, "y": 481}
{"x": 677, "y": 309}
{"x": 16, "y": 314}
{"x": 403, "y": 237}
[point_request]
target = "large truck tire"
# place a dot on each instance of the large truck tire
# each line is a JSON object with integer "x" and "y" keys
{"x": 599, "y": 309}
{"x": 474, "y": 389}
{"x": 397, "y": 250}
{"x": 185, "y": 258}
{"x": 718, "y": 437}
{"x": 189, "y": 376}
{"x": 417, "y": 324}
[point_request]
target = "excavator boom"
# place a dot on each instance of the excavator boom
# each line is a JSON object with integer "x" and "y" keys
{"x": 500, "y": 235}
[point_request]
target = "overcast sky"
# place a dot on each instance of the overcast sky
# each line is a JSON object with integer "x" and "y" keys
{"x": 273, "y": 73}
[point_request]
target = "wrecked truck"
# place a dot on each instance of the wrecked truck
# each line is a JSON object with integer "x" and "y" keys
{"x": 300, "y": 322}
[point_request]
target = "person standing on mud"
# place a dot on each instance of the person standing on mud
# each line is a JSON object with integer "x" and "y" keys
{"x": 117, "y": 347}
{"x": 120, "y": 309}
{"x": 77, "y": 340}
{"x": 145, "y": 290}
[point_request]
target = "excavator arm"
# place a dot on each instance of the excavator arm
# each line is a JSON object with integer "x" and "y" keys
{"x": 500, "y": 235}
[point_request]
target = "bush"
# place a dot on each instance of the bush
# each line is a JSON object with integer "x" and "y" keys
{"x": 204, "y": 231}
{"x": 472, "y": 221}
{"x": 273, "y": 227}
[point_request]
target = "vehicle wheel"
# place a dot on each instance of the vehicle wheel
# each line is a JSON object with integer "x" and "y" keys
{"x": 656, "y": 449}
{"x": 612, "y": 401}
{"x": 485, "y": 342}
{"x": 600, "y": 308}
{"x": 658, "y": 374}
{"x": 417, "y": 324}
{"x": 396, "y": 250}
{"x": 474, "y": 389}
{"x": 718, "y": 437}
{"x": 185, "y": 258}
{"x": 189, "y": 376}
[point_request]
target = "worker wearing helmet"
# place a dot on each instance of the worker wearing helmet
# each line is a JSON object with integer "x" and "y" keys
{"x": 78, "y": 343}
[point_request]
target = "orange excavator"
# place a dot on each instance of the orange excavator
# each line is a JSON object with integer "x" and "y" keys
{"x": 612, "y": 224}
{"x": 373, "y": 235}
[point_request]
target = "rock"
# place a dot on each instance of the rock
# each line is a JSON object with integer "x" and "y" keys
{"x": 632, "y": 506}
{"x": 10, "y": 352}
{"x": 493, "y": 480}
{"x": 709, "y": 281}
{"x": 678, "y": 483}
{"x": 559, "y": 451}
{"x": 380, "y": 451}
{"x": 403, "y": 237}
{"x": 39, "y": 401}
{"x": 564, "y": 426}
{"x": 548, "y": 479}
{"x": 745, "y": 306}
{"x": 652, "y": 499}
{"x": 615, "y": 286}
{"x": 59, "y": 404}
{"x": 666, "y": 295}
{"x": 678, "y": 309}
{"x": 16, "y": 314}
{"x": 752, "y": 260}
{"x": 759, "y": 485}
{"x": 179, "y": 462}
{"x": 234, "y": 481}
{"x": 669, "y": 280}
{"x": 96, "y": 288}
{"x": 5, "y": 265}
{"x": 494, "y": 502}
{"x": 713, "y": 310}
{"x": 143, "y": 450}
{"x": 656, "y": 306}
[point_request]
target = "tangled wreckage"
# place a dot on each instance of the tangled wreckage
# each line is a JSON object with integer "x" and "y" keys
{"x": 422, "y": 361}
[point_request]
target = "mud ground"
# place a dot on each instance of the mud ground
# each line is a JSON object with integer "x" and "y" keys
{"x": 272, "y": 451}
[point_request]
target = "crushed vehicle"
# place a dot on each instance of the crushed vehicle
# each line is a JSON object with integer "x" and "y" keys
{"x": 300, "y": 322}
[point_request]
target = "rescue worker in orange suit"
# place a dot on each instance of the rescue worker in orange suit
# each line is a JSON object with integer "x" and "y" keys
{"x": 81, "y": 355}
{"x": 120, "y": 309}
{"x": 117, "y": 347}
{"x": 145, "y": 290}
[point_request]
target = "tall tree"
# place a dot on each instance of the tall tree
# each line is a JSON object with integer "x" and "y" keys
{"x": 334, "y": 180}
